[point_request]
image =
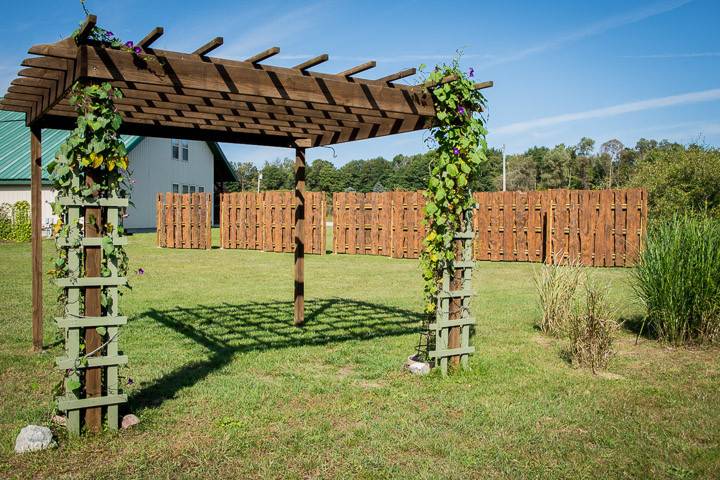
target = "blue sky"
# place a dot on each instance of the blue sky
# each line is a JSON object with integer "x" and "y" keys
{"x": 562, "y": 69}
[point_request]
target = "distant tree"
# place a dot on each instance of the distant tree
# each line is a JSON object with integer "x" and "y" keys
{"x": 612, "y": 149}
{"x": 322, "y": 176}
{"x": 378, "y": 188}
{"x": 557, "y": 170}
{"x": 278, "y": 175}
{"x": 520, "y": 173}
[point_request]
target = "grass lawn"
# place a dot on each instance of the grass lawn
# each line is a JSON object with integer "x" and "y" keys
{"x": 226, "y": 387}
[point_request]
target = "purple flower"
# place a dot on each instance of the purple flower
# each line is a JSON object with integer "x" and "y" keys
{"x": 137, "y": 50}
{"x": 461, "y": 110}
{"x": 130, "y": 381}
{"x": 129, "y": 44}
{"x": 109, "y": 33}
{"x": 141, "y": 271}
{"x": 471, "y": 72}
{"x": 456, "y": 151}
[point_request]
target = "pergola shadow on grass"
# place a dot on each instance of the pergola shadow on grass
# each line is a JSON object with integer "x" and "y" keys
{"x": 226, "y": 330}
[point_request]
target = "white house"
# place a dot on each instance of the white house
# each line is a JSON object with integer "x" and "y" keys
{"x": 156, "y": 164}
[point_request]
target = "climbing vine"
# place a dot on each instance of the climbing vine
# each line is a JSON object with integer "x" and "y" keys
{"x": 459, "y": 138}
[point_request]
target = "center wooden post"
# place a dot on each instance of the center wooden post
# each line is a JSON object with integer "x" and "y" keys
{"x": 456, "y": 283}
{"x": 36, "y": 219}
{"x": 300, "y": 146}
{"x": 93, "y": 258}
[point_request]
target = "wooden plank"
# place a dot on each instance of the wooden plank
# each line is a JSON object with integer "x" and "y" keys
{"x": 299, "y": 236}
{"x": 109, "y": 64}
{"x": 159, "y": 233}
{"x": 603, "y": 236}
{"x": 185, "y": 205}
{"x": 264, "y": 55}
{"x": 177, "y": 218}
{"x": 208, "y": 220}
{"x": 574, "y": 253}
{"x": 634, "y": 210}
{"x": 408, "y": 72}
{"x": 312, "y": 62}
{"x": 508, "y": 245}
{"x": 66, "y": 404}
{"x": 357, "y": 69}
{"x": 93, "y": 308}
{"x": 151, "y": 37}
{"x": 585, "y": 224}
{"x": 36, "y": 219}
{"x": 169, "y": 221}
{"x": 209, "y": 46}
{"x": 521, "y": 218}
{"x": 620, "y": 227}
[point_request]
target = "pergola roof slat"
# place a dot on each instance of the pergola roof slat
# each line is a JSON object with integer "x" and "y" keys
{"x": 151, "y": 37}
{"x": 264, "y": 55}
{"x": 195, "y": 96}
{"x": 358, "y": 69}
{"x": 408, "y": 72}
{"x": 209, "y": 47}
{"x": 312, "y": 62}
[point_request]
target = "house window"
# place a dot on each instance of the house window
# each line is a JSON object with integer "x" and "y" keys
{"x": 175, "y": 144}
{"x": 175, "y": 188}
{"x": 192, "y": 188}
{"x": 185, "y": 147}
{"x": 201, "y": 189}
{"x": 185, "y": 189}
{"x": 180, "y": 149}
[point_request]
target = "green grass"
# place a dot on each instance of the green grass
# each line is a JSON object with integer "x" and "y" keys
{"x": 226, "y": 387}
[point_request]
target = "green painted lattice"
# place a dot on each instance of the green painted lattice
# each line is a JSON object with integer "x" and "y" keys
{"x": 440, "y": 329}
{"x": 73, "y": 322}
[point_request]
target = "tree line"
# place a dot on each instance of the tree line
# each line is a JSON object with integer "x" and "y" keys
{"x": 676, "y": 176}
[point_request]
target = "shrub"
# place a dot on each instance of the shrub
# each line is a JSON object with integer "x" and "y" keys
{"x": 21, "y": 227}
{"x": 681, "y": 179}
{"x": 678, "y": 279}
{"x": 591, "y": 329}
{"x": 5, "y": 221}
{"x": 556, "y": 286}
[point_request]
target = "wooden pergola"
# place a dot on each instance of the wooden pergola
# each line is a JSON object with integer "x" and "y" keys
{"x": 199, "y": 97}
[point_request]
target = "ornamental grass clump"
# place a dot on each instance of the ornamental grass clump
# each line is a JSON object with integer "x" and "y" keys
{"x": 678, "y": 280}
{"x": 591, "y": 328}
{"x": 557, "y": 286}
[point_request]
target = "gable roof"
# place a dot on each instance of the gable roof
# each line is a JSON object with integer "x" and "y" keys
{"x": 15, "y": 151}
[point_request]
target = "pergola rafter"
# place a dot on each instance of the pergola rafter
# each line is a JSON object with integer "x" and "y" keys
{"x": 196, "y": 96}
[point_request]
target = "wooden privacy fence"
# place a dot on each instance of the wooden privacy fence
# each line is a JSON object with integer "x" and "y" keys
{"x": 594, "y": 227}
{"x": 387, "y": 223}
{"x": 184, "y": 220}
{"x": 266, "y": 221}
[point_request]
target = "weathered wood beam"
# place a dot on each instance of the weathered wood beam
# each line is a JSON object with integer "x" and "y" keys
{"x": 312, "y": 62}
{"x": 408, "y": 72}
{"x": 299, "y": 315}
{"x": 150, "y": 38}
{"x": 50, "y": 63}
{"x": 86, "y": 28}
{"x": 63, "y": 49}
{"x": 108, "y": 64}
{"x": 209, "y": 47}
{"x": 37, "y": 91}
{"x": 264, "y": 55}
{"x": 36, "y": 219}
{"x": 442, "y": 81}
{"x": 481, "y": 85}
{"x": 357, "y": 69}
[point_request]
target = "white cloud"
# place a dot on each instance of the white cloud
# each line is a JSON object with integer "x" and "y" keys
{"x": 661, "y": 102}
{"x": 597, "y": 28}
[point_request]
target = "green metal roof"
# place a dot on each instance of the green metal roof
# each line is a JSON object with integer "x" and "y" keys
{"x": 15, "y": 148}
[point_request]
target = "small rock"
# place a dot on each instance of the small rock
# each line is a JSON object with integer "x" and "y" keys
{"x": 417, "y": 368}
{"x": 129, "y": 420}
{"x": 32, "y": 438}
{"x": 59, "y": 420}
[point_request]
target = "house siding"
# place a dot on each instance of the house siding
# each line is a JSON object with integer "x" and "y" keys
{"x": 154, "y": 170}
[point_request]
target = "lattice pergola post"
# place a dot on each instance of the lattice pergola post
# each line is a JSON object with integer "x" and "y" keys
{"x": 74, "y": 323}
{"x": 451, "y": 329}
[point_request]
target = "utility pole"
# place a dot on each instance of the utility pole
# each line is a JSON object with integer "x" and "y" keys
{"x": 504, "y": 169}
{"x": 259, "y": 178}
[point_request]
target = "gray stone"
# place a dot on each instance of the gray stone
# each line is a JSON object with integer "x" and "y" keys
{"x": 32, "y": 438}
{"x": 129, "y": 420}
{"x": 417, "y": 368}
